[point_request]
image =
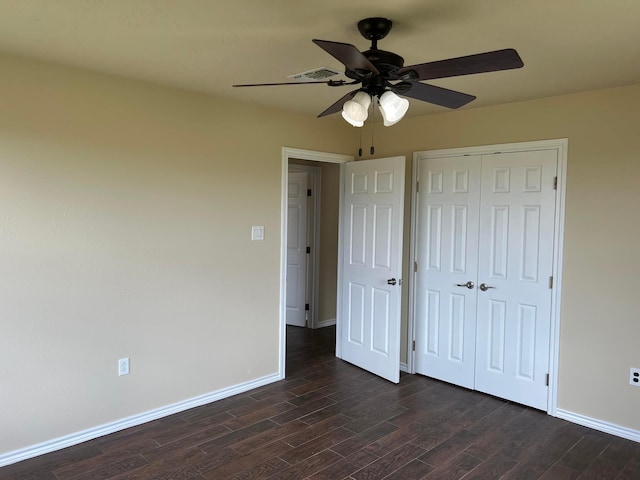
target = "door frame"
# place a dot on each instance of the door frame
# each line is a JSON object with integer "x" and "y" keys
{"x": 289, "y": 153}
{"x": 561, "y": 145}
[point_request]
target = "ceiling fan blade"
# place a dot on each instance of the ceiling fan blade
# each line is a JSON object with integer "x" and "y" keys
{"x": 336, "y": 107}
{"x": 506, "y": 59}
{"x": 436, "y": 95}
{"x": 332, "y": 83}
{"x": 348, "y": 55}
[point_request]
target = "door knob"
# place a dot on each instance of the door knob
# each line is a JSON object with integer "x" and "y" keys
{"x": 469, "y": 284}
{"x": 484, "y": 287}
{"x": 391, "y": 281}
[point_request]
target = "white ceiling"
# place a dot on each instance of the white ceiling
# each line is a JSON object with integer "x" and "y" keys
{"x": 208, "y": 45}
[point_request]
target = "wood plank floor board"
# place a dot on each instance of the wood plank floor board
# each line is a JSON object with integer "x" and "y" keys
{"x": 331, "y": 420}
{"x": 312, "y": 432}
{"x": 308, "y": 467}
{"x": 363, "y": 439}
{"x": 318, "y": 444}
{"x": 456, "y": 468}
{"x": 265, "y": 413}
{"x": 389, "y": 463}
{"x": 494, "y": 467}
{"x": 559, "y": 472}
{"x": 584, "y": 452}
{"x": 259, "y": 440}
{"x": 413, "y": 469}
{"x": 256, "y": 463}
{"x": 345, "y": 467}
{"x": 630, "y": 470}
{"x": 266, "y": 469}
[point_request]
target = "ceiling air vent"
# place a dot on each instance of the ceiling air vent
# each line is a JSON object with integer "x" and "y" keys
{"x": 314, "y": 75}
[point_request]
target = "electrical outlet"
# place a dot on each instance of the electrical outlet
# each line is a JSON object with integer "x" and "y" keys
{"x": 123, "y": 366}
{"x": 634, "y": 377}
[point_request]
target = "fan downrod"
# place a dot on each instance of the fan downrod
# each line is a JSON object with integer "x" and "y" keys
{"x": 374, "y": 29}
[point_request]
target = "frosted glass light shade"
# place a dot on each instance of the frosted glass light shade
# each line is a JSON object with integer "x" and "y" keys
{"x": 356, "y": 110}
{"x": 393, "y": 108}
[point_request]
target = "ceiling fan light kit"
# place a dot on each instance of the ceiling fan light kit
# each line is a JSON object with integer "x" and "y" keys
{"x": 356, "y": 110}
{"x": 382, "y": 74}
{"x": 392, "y": 107}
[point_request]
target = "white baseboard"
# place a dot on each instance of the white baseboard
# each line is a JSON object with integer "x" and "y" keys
{"x": 326, "y": 323}
{"x": 101, "y": 430}
{"x": 404, "y": 367}
{"x": 600, "y": 425}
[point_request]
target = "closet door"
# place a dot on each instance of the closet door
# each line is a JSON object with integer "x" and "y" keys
{"x": 514, "y": 269}
{"x": 447, "y": 260}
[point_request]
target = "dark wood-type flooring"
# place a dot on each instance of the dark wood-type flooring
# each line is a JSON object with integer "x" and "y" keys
{"x": 331, "y": 420}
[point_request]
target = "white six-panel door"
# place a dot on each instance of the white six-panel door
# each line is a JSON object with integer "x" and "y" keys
{"x": 446, "y": 280}
{"x": 371, "y": 265}
{"x": 516, "y": 262}
{"x": 296, "y": 249}
{"x": 488, "y": 220}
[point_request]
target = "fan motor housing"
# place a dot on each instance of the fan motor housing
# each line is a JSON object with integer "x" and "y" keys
{"x": 387, "y": 63}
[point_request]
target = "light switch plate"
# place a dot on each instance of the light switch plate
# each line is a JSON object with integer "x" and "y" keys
{"x": 257, "y": 232}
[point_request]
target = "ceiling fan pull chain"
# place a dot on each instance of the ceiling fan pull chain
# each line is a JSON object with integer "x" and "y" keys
{"x": 373, "y": 123}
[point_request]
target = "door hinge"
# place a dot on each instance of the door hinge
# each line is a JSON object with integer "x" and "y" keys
{"x": 417, "y": 187}
{"x": 308, "y": 249}
{"x": 547, "y": 379}
{"x": 308, "y": 192}
{"x": 555, "y": 183}
{"x": 415, "y": 267}
{"x": 306, "y": 307}
{"x": 413, "y": 346}
{"x": 551, "y": 282}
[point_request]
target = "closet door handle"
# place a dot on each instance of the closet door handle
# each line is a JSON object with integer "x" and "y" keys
{"x": 391, "y": 281}
{"x": 469, "y": 285}
{"x": 484, "y": 287}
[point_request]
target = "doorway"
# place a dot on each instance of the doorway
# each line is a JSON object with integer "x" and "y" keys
{"x": 321, "y": 276}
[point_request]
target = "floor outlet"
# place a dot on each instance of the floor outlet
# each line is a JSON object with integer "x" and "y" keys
{"x": 634, "y": 377}
{"x": 123, "y": 366}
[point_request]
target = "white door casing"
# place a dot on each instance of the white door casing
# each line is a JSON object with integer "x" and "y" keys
{"x": 447, "y": 235}
{"x": 372, "y": 205}
{"x": 518, "y": 240}
{"x": 296, "y": 278}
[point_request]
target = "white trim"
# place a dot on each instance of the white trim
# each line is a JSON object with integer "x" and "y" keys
{"x": 561, "y": 146}
{"x": 556, "y": 293}
{"x": 291, "y": 153}
{"x": 551, "y": 144}
{"x": 326, "y": 323}
{"x": 411, "y": 274}
{"x": 312, "y": 155}
{"x": 339, "y": 269}
{"x": 599, "y": 425}
{"x": 404, "y": 367}
{"x": 112, "y": 427}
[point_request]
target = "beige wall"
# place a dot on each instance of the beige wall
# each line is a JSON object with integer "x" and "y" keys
{"x": 125, "y": 218}
{"x": 600, "y": 324}
{"x": 124, "y": 231}
{"x": 329, "y": 242}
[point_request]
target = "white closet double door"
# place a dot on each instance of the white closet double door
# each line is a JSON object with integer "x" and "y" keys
{"x": 484, "y": 250}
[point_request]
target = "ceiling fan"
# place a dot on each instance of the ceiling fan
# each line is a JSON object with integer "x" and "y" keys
{"x": 383, "y": 75}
